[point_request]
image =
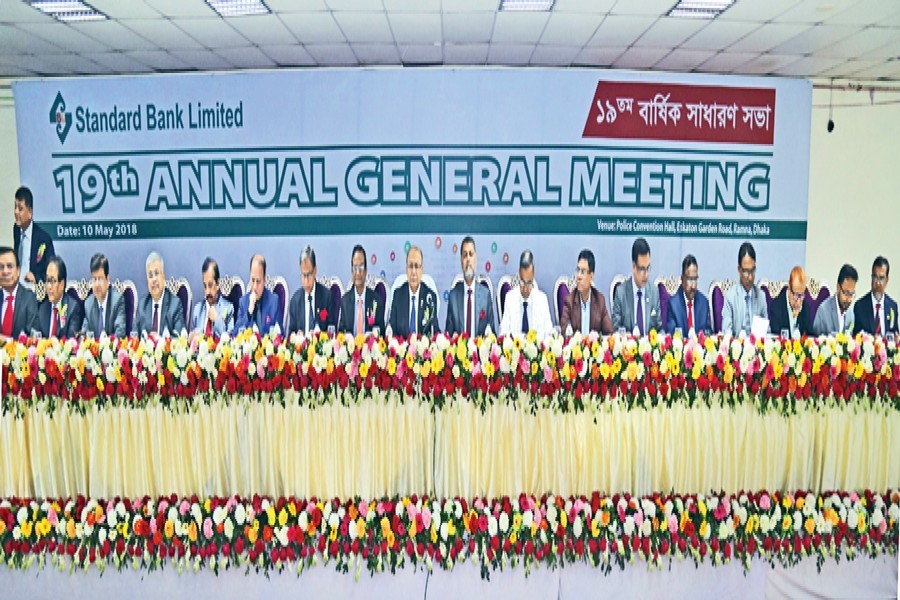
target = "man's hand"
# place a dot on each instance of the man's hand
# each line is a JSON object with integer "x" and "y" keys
{"x": 213, "y": 315}
{"x": 253, "y": 299}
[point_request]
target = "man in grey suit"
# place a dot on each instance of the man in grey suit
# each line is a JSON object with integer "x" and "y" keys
{"x": 744, "y": 301}
{"x": 470, "y": 309}
{"x": 213, "y": 315}
{"x": 636, "y": 304}
{"x": 836, "y": 313}
{"x": 104, "y": 309}
{"x": 19, "y": 308}
{"x": 160, "y": 310}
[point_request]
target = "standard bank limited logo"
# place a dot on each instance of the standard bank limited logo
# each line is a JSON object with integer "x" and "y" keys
{"x": 60, "y": 118}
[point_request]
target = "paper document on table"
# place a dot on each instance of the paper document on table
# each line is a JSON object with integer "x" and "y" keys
{"x": 759, "y": 327}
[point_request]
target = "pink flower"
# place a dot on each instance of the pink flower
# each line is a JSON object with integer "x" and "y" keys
{"x": 152, "y": 525}
{"x": 184, "y": 508}
{"x": 363, "y": 509}
{"x": 673, "y": 524}
{"x": 426, "y": 517}
{"x": 854, "y": 497}
{"x": 638, "y": 518}
{"x": 52, "y": 517}
{"x": 764, "y": 502}
{"x": 207, "y": 527}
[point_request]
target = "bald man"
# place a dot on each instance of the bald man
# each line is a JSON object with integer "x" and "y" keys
{"x": 791, "y": 309}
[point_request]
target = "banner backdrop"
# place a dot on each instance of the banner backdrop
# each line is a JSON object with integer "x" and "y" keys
{"x": 551, "y": 160}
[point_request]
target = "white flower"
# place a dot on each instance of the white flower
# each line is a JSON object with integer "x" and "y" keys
{"x": 646, "y": 528}
{"x": 577, "y": 526}
{"x": 229, "y": 528}
{"x": 240, "y": 515}
{"x": 628, "y": 526}
{"x": 445, "y": 531}
{"x": 197, "y": 513}
{"x": 527, "y": 519}
{"x": 22, "y": 515}
{"x": 302, "y": 520}
{"x": 101, "y": 534}
{"x": 492, "y": 526}
{"x": 333, "y": 521}
{"x": 282, "y": 534}
{"x": 504, "y": 522}
{"x": 218, "y": 515}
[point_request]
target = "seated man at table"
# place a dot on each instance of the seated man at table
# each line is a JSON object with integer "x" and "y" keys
{"x": 160, "y": 311}
{"x": 526, "y": 306}
{"x": 104, "y": 310}
{"x": 688, "y": 309}
{"x": 470, "y": 308}
{"x": 414, "y": 306}
{"x": 876, "y": 312}
{"x": 61, "y": 315}
{"x": 836, "y": 313}
{"x": 361, "y": 309}
{"x": 214, "y": 315}
{"x": 791, "y": 309}
{"x": 585, "y": 309}
{"x": 19, "y": 311}
{"x": 258, "y": 308}
{"x": 746, "y": 300}
{"x": 636, "y": 304}
{"x": 311, "y": 306}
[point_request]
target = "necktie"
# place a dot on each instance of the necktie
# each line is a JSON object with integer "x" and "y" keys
{"x": 102, "y": 319}
{"x": 8, "y": 317}
{"x": 360, "y": 328}
{"x": 525, "y": 317}
{"x": 209, "y": 324}
{"x": 640, "y": 312}
{"x": 469, "y": 314}
{"x": 23, "y": 248}
{"x": 690, "y": 315}
{"x": 412, "y": 315}
{"x": 747, "y": 315}
{"x": 878, "y": 319}
{"x": 155, "y": 325}
{"x": 310, "y": 319}
{"x": 53, "y": 322}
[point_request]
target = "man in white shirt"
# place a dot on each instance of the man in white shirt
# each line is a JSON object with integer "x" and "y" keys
{"x": 526, "y": 306}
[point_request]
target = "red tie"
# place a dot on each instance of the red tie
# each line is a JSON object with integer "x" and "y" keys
{"x": 690, "y": 315}
{"x": 53, "y": 322}
{"x": 8, "y": 317}
{"x": 469, "y": 314}
{"x": 877, "y": 319}
{"x": 208, "y": 326}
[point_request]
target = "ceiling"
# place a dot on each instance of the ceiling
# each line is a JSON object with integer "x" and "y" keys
{"x": 853, "y": 39}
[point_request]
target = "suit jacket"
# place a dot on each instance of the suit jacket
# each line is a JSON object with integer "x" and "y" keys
{"x": 115, "y": 315}
{"x": 539, "y": 321}
{"x": 25, "y": 311}
{"x": 266, "y": 313}
{"x": 864, "y": 315}
{"x": 39, "y": 238}
{"x": 426, "y": 312}
{"x": 826, "y": 321}
{"x": 735, "y": 308}
{"x": 780, "y": 319}
{"x": 456, "y": 309}
{"x": 71, "y": 317}
{"x": 225, "y": 322}
{"x": 623, "y": 314}
{"x": 571, "y": 313}
{"x": 677, "y": 313}
{"x": 322, "y": 299}
{"x": 373, "y": 309}
{"x": 171, "y": 314}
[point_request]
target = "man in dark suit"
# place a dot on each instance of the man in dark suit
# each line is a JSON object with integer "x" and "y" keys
{"x": 414, "y": 305}
{"x": 876, "y": 312}
{"x": 361, "y": 308}
{"x": 104, "y": 309}
{"x": 688, "y": 309}
{"x": 585, "y": 308}
{"x": 258, "y": 307}
{"x": 61, "y": 316}
{"x": 38, "y": 247}
{"x": 791, "y": 309}
{"x": 311, "y": 305}
{"x": 160, "y": 311}
{"x": 19, "y": 311}
{"x": 470, "y": 308}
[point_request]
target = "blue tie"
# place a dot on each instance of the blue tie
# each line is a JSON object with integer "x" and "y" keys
{"x": 747, "y": 319}
{"x": 310, "y": 319}
{"x": 412, "y": 315}
{"x": 525, "y": 317}
{"x": 640, "y": 312}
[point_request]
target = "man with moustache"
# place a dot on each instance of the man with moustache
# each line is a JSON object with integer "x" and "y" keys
{"x": 688, "y": 310}
{"x": 19, "y": 311}
{"x": 876, "y": 312}
{"x": 361, "y": 309}
{"x": 259, "y": 306}
{"x": 636, "y": 304}
{"x": 310, "y": 306}
{"x": 61, "y": 315}
{"x": 470, "y": 309}
{"x": 214, "y": 315}
{"x": 585, "y": 309}
{"x": 160, "y": 310}
{"x": 836, "y": 314}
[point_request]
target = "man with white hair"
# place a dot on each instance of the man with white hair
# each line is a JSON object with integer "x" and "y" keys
{"x": 527, "y": 307}
{"x": 160, "y": 310}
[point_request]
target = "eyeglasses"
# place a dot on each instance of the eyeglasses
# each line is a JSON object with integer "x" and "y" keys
{"x": 358, "y": 269}
{"x": 52, "y": 281}
{"x": 748, "y": 272}
{"x": 526, "y": 284}
{"x": 642, "y": 270}
{"x": 414, "y": 266}
{"x": 153, "y": 274}
{"x": 582, "y": 272}
{"x": 879, "y": 278}
{"x": 847, "y": 294}
{"x": 797, "y": 296}
{"x": 309, "y": 275}
{"x": 98, "y": 280}
{"x": 692, "y": 280}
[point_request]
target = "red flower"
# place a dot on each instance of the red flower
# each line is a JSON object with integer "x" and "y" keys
{"x": 323, "y": 315}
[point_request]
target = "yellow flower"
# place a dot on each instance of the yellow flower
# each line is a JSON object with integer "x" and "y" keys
{"x": 563, "y": 518}
{"x": 425, "y": 369}
{"x": 786, "y": 502}
{"x": 701, "y": 506}
{"x": 282, "y": 518}
{"x": 192, "y": 531}
{"x": 329, "y": 368}
{"x": 207, "y": 505}
{"x": 595, "y": 528}
{"x": 810, "y": 526}
{"x": 270, "y": 513}
{"x": 333, "y": 534}
{"x": 800, "y": 502}
{"x": 27, "y": 526}
{"x": 412, "y": 529}
{"x": 704, "y": 529}
{"x": 70, "y": 529}
{"x": 512, "y": 537}
{"x": 292, "y": 508}
{"x": 631, "y": 373}
{"x": 517, "y": 521}
{"x": 786, "y": 522}
{"x": 489, "y": 370}
{"x": 390, "y": 537}
{"x": 360, "y": 528}
{"x": 862, "y": 523}
{"x": 392, "y": 366}
{"x": 169, "y": 529}
{"x": 653, "y": 337}
{"x": 534, "y": 369}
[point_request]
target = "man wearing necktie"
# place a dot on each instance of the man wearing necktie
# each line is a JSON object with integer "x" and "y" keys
{"x": 745, "y": 301}
{"x": 104, "y": 309}
{"x": 214, "y": 314}
{"x": 470, "y": 308}
{"x": 61, "y": 315}
{"x": 688, "y": 309}
{"x": 414, "y": 304}
{"x": 32, "y": 244}
{"x": 160, "y": 311}
{"x": 876, "y": 312}
{"x": 362, "y": 310}
{"x": 312, "y": 306}
{"x": 526, "y": 307}
{"x": 636, "y": 304}
{"x": 19, "y": 308}
{"x": 258, "y": 307}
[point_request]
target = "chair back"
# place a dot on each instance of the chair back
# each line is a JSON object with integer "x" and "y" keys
{"x": 717, "y": 291}
{"x": 278, "y": 286}
{"x": 561, "y": 290}
{"x": 504, "y": 285}
{"x": 668, "y": 287}
{"x": 181, "y": 288}
{"x": 128, "y": 290}
{"x": 232, "y": 289}
{"x": 334, "y": 284}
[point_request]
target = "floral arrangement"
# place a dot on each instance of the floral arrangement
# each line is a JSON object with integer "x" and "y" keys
{"x": 266, "y": 534}
{"x": 579, "y": 373}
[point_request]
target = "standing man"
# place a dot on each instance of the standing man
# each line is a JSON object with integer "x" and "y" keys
{"x": 876, "y": 312}
{"x": 61, "y": 315}
{"x": 636, "y": 305}
{"x": 470, "y": 309}
{"x": 19, "y": 311}
{"x": 311, "y": 305}
{"x": 104, "y": 310}
{"x": 32, "y": 244}
{"x": 688, "y": 309}
{"x": 791, "y": 309}
{"x": 526, "y": 306}
{"x": 744, "y": 301}
{"x": 414, "y": 306}
{"x": 160, "y": 310}
{"x": 214, "y": 315}
{"x": 361, "y": 309}
{"x": 835, "y": 314}
{"x": 258, "y": 307}
{"x": 585, "y": 310}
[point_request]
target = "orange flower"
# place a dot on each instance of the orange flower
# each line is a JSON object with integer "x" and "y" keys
{"x": 192, "y": 531}
{"x": 604, "y": 518}
{"x": 267, "y": 534}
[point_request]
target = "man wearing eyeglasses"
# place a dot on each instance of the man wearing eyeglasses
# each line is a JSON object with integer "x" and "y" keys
{"x": 745, "y": 301}
{"x": 835, "y": 314}
{"x": 61, "y": 316}
{"x": 585, "y": 308}
{"x": 19, "y": 308}
{"x": 876, "y": 312}
{"x": 160, "y": 311}
{"x": 470, "y": 308}
{"x": 791, "y": 309}
{"x": 688, "y": 310}
{"x": 636, "y": 304}
{"x": 526, "y": 306}
{"x": 414, "y": 305}
{"x": 361, "y": 308}
{"x": 104, "y": 309}
{"x": 259, "y": 306}
{"x": 311, "y": 305}
{"x": 214, "y": 314}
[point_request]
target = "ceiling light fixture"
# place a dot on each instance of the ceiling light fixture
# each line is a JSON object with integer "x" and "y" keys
{"x": 699, "y": 9}
{"x": 527, "y": 5}
{"x": 72, "y": 10}
{"x": 238, "y": 8}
